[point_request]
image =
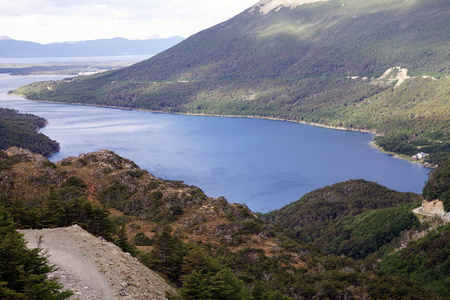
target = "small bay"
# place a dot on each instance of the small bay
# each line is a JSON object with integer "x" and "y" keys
{"x": 262, "y": 163}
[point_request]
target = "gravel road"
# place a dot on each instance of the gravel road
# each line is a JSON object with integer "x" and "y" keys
{"x": 95, "y": 269}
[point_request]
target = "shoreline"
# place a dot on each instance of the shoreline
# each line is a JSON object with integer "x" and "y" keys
{"x": 278, "y": 119}
{"x": 404, "y": 157}
{"x": 209, "y": 115}
{"x": 371, "y": 143}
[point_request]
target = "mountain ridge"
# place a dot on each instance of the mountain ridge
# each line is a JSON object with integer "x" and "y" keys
{"x": 100, "y": 47}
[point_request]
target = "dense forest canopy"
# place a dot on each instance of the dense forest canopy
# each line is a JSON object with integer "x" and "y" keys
{"x": 20, "y": 130}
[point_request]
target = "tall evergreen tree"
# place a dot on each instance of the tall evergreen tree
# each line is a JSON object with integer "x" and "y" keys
{"x": 123, "y": 242}
{"x": 167, "y": 255}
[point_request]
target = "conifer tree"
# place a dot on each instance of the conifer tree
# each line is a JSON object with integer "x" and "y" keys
{"x": 23, "y": 272}
{"x": 167, "y": 255}
{"x": 123, "y": 242}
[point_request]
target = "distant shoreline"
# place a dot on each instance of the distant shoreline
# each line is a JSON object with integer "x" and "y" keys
{"x": 403, "y": 157}
{"x": 211, "y": 115}
{"x": 342, "y": 128}
{"x": 66, "y": 67}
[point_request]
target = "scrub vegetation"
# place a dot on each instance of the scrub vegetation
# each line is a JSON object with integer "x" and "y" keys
{"x": 335, "y": 242}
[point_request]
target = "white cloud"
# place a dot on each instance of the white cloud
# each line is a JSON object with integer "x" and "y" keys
{"x": 46, "y": 21}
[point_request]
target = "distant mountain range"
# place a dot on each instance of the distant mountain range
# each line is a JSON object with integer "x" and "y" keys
{"x": 102, "y": 47}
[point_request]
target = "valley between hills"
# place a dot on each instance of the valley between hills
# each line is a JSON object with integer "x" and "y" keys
{"x": 337, "y": 63}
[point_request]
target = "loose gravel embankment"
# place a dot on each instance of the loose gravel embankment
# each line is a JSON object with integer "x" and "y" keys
{"x": 95, "y": 269}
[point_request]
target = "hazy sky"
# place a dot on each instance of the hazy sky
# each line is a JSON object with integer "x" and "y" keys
{"x": 46, "y": 21}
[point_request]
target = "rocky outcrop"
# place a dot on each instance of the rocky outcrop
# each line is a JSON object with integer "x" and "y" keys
{"x": 142, "y": 199}
{"x": 266, "y": 6}
{"x": 433, "y": 208}
{"x": 24, "y": 155}
{"x": 102, "y": 158}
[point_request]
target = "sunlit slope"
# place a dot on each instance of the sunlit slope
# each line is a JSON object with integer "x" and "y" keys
{"x": 335, "y": 37}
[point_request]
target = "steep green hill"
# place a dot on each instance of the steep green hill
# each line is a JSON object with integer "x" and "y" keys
{"x": 426, "y": 261}
{"x": 438, "y": 185}
{"x": 316, "y": 63}
{"x": 369, "y": 222}
{"x": 355, "y": 218}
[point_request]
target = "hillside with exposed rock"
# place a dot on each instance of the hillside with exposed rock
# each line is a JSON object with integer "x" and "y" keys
{"x": 141, "y": 200}
{"x": 203, "y": 245}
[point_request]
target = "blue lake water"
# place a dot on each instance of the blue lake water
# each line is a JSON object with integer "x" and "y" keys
{"x": 262, "y": 163}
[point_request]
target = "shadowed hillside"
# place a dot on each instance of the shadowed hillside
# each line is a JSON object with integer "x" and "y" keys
{"x": 20, "y": 130}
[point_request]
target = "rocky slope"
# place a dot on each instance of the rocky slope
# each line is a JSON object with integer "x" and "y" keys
{"x": 215, "y": 247}
{"x": 96, "y": 269}
{"x": 136, "y": 197}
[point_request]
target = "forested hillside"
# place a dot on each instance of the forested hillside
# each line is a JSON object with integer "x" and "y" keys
{"x": 355, "y": 218}
{"x": 426, "y": 261}
{"x": 438, "y": 185}
{"x": 20, "y": 130}
{"x": 211, "y": 249}
{"x": 317, "y": 63}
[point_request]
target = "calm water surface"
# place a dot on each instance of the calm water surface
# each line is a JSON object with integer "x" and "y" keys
{"x": 264, "y": 164}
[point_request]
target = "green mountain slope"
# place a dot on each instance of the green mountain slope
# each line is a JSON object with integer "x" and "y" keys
{"x": 315, "y": 63}
{"x": 426, "y": 261}
{"x": 438, "y": 185}
{"x": 355, "y": 218}
{"x": 369, "y": 222}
